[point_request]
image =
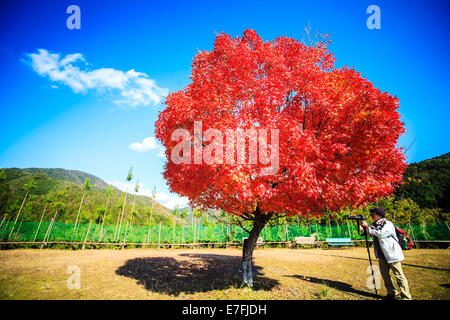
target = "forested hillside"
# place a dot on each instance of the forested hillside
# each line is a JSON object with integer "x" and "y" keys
{"x": 428, "y": 183}
{"x": 63, "y": 189}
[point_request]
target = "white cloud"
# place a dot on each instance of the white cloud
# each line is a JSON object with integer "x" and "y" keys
{"x": 130, "y": 88}
{"x": 170, "y": 201}
{"x": 167, "y": 200}
{"x": 146, "y": 144}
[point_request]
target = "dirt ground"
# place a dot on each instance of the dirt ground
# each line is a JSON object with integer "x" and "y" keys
{"x": 210, "y": 274}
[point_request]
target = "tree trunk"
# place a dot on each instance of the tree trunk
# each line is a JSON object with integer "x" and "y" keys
{"x": 259, "y": 222}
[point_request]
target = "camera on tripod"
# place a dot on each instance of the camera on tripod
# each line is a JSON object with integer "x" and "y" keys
{"x": 359, "y": 217}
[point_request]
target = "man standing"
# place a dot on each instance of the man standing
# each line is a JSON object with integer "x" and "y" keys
{"x": 389, "y": 253}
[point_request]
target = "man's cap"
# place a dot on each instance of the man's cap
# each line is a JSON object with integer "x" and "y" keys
{"x": 378, "y": 211}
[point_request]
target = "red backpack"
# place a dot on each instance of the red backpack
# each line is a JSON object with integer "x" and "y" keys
{"x": 403, "y": 239}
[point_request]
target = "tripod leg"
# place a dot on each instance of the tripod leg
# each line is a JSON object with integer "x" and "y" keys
{"x": 371, "y": 266}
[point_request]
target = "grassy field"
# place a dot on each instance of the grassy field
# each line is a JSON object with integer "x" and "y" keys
{"x": 211, "y": 274}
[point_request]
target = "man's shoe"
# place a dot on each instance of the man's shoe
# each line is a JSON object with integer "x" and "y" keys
{"x": 389, "y": 297}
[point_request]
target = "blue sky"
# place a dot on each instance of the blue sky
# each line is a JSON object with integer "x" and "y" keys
{"x": 85, "y": 119}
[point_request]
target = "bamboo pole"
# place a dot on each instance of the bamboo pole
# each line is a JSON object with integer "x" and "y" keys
{"x": 126, "y": 231}
{"x": 85, "y": 238}
{"x": 46, "y": 233}
{"x": 132, "y": 210}
{"x": 18, "y": 228}
{"x": 194, "y": 232}
{"x": 117, "y": 226}
{"x": 143, "y": 242}
{"x": 104, "y": 217}
{"x": 40, "y": 221}
{"x": 226, "y": 239}
{"x": 78, "y": 214}
{"x": 182, "y": 234}
{"x": 18, "y": 214}
{"x": 173, "y": 231}
{"x": 49, "y": 228}
{"x": 148, "y": 235}
{"x": 123, "y": 211}
{"x": 159, "y": 235}
{"x": 4, "y": 217}
{"x": 53, "y": 223}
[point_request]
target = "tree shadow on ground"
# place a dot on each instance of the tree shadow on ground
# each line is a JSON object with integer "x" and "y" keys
{"x": 191, "y": 273}
{"x": 338, "y": 285}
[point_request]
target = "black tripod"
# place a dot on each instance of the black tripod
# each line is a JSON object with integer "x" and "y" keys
{"x": 358, "y": 219}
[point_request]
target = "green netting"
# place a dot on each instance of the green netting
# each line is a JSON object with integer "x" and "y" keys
{"x": 58, "y": 231}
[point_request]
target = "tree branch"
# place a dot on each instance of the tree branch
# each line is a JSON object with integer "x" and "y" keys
{"x": 239, "y": 221}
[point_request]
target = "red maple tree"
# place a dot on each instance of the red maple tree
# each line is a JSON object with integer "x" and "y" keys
{"x": 337, "y": 132}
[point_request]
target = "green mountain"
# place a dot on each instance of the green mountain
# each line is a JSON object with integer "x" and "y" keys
{"x": 428, "y": 183}
{"x": 64, "y": 189}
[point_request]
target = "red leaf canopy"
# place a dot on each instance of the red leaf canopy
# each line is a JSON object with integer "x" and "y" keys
{"x": 337, "y": 132}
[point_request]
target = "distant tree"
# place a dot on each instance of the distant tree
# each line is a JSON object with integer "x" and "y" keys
{"x": 184, "y": 213}
{"x": 87, "y": 186}
{"x": 176, "y": 210}
{"x": 30, "y": 185}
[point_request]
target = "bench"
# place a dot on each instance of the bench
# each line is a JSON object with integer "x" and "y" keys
{"x": 339, "y": 242}
{"x": 260, "y": 241}
{"x": 304, "y": 241}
